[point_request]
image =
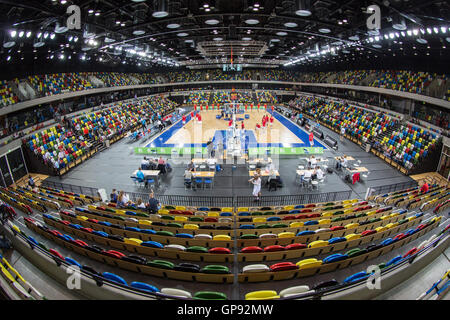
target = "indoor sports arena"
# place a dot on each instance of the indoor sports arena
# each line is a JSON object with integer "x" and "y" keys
{"x": 224, "y": 150}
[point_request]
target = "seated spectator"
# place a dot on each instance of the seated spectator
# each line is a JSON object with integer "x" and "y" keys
{"x": 31, "y": 181}
{"x": 140, "y": 204}
{"x": 313, "y": 161}
{"x": 123, "y": 200}
{"x": 113, "y": 196}
{"x": 425, "y": 188}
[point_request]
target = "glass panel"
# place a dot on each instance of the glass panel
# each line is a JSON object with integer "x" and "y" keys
{"x": 5, "y": 171}
{"x": 16, "y": 164}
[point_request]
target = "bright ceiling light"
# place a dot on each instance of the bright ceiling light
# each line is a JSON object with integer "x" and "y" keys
{"x": 251, "y": 21}
{"x": 290, "y": 25}
{"x": 182, "y": 34}
{"x": 138, "y": 32}
{"x": 303, "y": 8}
{"x": 212, "y": 21}
{"x": 421, "y": 41}
{"x": 173, "y": 25}
{"x": 324, "y": 30}
{"x": 28, "y": 34}
{"x": 52, "y": 36}
{"x": 282, "y": 33}
{"x": 354, "y": 38}
{"x": 21, "y": 34}
{"x": 160, "y": 9}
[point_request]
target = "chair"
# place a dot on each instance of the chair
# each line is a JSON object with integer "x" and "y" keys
{"x": 252, "y": 167}
{"x": 364, "y": 176}
{"x": 315, "y": 184}
{"x": 151, "y": 183}
{"x": 187, "y": 184}
{"x": 198, "y": 181}
{"x": 141, "y": 182}
{"x": 306, "y": 182}
{"x": 208, "y": 182}
{"x": 202, "y": 167}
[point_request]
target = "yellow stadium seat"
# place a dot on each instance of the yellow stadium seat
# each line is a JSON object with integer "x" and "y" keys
{"x": 381, "y": 229}
{"x": 181, "y": 218}
{"x": 191, "y": 226}
{"x": 180, "y": 208}
{"x": 242, "y": 209}
{"x": 394, "y": 214}
{"x": 324, "y": 221}
{"x": 317, "y": 244}
{"x": 411, "y": 218}
{"x": 384, "y": 217}
{"x": 296, "y": 225}
{"x": 370, "y": 213}
{"x": 286, "y": 235}
{"x": 16, "y": 228}
{"x": 83, "y": 218}
{"x": 437, "y": 219}
{"x": 351, "y": 225}
{"x": 163, "y": 211}
{"x": 226, "y": 209}
{"x": 146, "y": 222}
{"x": 308, "y": 263}
{"x": 289, "y": 208}
{"x": 133, "y": 241}
{"x": 352, "y": 236}
{"x": 392, "y": 225}
{"x": 222, "y": 237}
{"x": 259, "y": 219}
{"x": 213, "y": 214}
{"x": 327, "y": 214}
{"x": 262, "y": 295}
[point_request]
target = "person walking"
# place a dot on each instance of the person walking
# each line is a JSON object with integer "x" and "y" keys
{"x": 256, "y": 181}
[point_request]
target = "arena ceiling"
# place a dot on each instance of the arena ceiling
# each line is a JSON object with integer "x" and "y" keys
{"x": 197, "y": 33}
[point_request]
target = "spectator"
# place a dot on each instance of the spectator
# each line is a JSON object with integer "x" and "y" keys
{"x": 140, "y": 204}
{"x": 424, "y": 188}
{"x": 256, "y": 180}
{"x": 153, "y": 204}
{"x": 113, "y": 196}
{"x": 31, "y": 181}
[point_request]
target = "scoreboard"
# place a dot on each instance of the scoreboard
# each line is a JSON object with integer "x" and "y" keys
{"x": 232, "y": 67}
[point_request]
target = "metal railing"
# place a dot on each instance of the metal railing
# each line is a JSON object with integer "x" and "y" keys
{"x": 392, "y": 187}
{"x": 285, "y": 200}
{"x": 213, "y": 201}
{"x": 71, "y": 188}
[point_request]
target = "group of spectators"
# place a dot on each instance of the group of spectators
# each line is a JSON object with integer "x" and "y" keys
{"x": 122, "y": 201}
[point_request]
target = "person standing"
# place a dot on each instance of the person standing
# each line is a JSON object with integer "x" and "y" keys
{"x": 342, "y": 133}
{"x": 256, "y": 181}
{"x": 311, "y": 139}
{"x": 153, "y": 204}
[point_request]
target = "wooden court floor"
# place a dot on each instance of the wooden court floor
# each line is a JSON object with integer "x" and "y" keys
{"x": 201, "y": 132}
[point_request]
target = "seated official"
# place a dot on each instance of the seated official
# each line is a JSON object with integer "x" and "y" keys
{"x": 307, "y": 175}
{"x": 145, "y": 164}
{"x": 318, "y": 174}
{"x": 153, "y": 204}
{"x": 273, "y": 180}
{"x": 140, "y": 176}
{"x": 188, "y": 179}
